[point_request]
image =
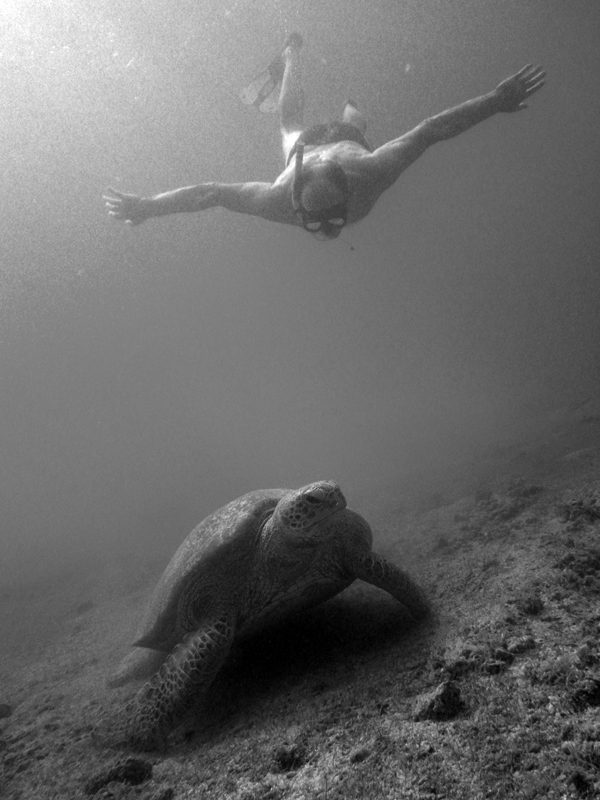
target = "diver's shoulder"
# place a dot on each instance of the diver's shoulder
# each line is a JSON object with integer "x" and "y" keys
{"x": 347, "y": 154}
{"x": 346, "y": 150}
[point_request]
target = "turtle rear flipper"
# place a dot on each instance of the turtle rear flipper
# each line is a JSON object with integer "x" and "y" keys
{"x": 162, "y": 703}
{"x": 137, "y": 665}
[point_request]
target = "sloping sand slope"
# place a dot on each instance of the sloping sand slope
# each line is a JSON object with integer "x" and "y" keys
{"x": 497, "y": 697}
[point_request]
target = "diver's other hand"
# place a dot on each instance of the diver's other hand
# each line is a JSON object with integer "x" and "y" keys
{"x": 131, "y": 208}
{"x": 512, "y": 92}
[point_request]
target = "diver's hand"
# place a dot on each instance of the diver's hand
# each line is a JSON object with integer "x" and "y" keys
{"x": 512, "y": 92}
{"x": 130, "y": 208}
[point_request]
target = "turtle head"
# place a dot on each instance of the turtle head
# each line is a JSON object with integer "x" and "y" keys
{"x": 298, "y": 512}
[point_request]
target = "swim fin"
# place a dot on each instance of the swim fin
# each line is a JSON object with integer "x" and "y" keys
{"x": 263, "y": 91}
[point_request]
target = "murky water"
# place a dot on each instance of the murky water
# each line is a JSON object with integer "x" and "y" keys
{"x": 149, "y": 375}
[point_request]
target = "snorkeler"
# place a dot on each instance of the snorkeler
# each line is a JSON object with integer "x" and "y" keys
{"x": 332, "y": 175}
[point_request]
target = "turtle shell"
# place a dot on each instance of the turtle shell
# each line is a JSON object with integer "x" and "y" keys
{"x": 207, "y": 571}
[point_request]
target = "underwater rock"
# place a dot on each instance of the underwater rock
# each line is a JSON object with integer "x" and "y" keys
{"x": 289, "y": 757}
{"x": 586, "y": 693}
{"x": 529, "y": 602}
{"x": 443, "y": 702}
{"x": 521, "y": 645}
{"x": 359, "y": 754}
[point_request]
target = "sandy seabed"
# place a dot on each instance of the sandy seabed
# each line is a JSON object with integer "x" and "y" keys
{"x": 497, "y": 696}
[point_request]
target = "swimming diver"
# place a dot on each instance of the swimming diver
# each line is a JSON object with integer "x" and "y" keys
{"x": 332, "y": 175}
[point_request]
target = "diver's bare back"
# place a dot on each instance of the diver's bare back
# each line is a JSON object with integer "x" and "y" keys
{"x": 365, "y": 182}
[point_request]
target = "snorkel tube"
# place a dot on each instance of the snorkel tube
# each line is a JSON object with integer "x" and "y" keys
{"x": 327, "y": 223}
{"x": 298, "y": 182}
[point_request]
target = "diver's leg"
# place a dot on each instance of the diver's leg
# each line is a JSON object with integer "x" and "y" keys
{"x": 354, "y": 116}
{"x": 291, "y": 99}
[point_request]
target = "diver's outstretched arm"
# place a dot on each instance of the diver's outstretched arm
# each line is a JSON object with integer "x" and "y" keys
{"x": 258, "y": 199}
{"x": 510, "y": 95}
{"x": 134, "y": 209}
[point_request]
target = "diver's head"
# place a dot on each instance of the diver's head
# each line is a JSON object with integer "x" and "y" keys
{"x": 320, "y": 195}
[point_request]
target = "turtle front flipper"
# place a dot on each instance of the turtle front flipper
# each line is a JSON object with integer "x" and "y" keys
{"x": 380, "y": 572}
{"x": 162, "y": 703}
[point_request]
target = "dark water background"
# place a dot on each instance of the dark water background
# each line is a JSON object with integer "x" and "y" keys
{"x": 149, "y": 375}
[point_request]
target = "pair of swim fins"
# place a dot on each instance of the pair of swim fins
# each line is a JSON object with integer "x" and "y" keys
{"x": 263, "y": 91}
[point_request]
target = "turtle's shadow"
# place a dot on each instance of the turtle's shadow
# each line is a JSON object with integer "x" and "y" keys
{"x": 320, "y": 648}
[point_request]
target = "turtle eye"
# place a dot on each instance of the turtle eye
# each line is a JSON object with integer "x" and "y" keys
{"x": 316, "y": 496}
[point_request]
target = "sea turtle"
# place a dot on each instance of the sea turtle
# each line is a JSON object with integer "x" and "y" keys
{"x": 267, "y": 555}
